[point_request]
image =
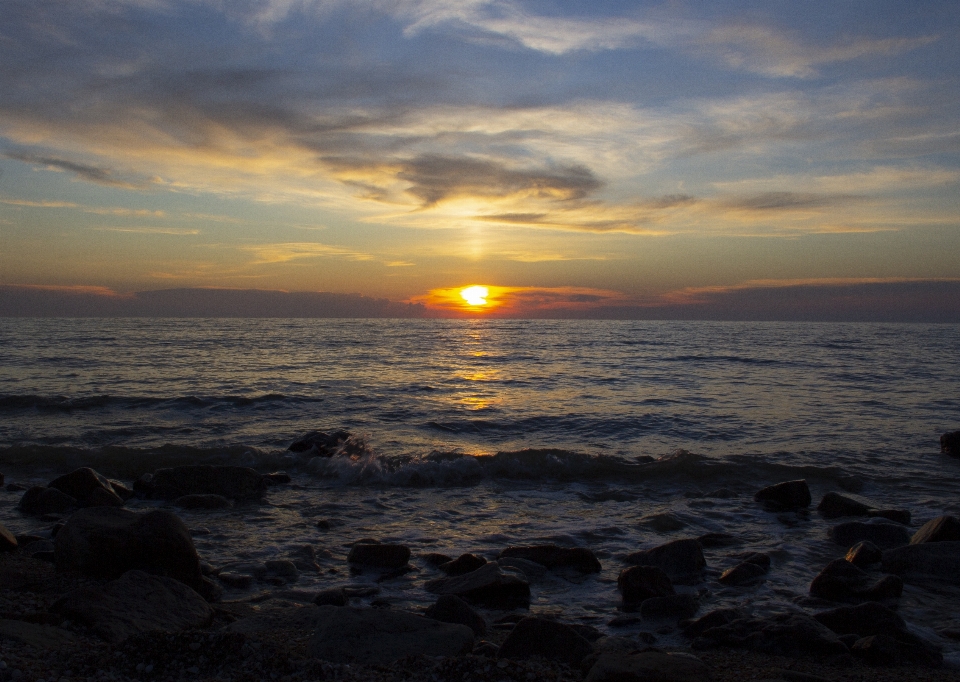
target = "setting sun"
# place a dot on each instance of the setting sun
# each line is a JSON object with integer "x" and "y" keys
{"x": 475, "y": 295}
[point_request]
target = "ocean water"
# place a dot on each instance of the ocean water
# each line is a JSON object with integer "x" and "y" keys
{"x": 480, "y": 434}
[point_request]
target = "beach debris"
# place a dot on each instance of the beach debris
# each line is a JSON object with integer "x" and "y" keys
{"x": 841, "y": 580}
{"x": 747, "y": 572}
{"x": 950, "y": 443}
{"x": 233, "y": 482}
{"x": 864, "y": 553}
{"x": 462, "y": 564}
{"x": 552, "y": 556}
{"x": 647, "y": 665}
{"x": 639, "y": 583}
{"x": 940, "y": 529}
{"x": 871, "y": 619}
{"x": 926, "y": 561}
{"x": 884, "y": 534}
{"x": 489, "y": 585}
{"x": 682, "y": 560}
{"x": 535, "y": 636}
{"x": 450, "y": 608}
{"x": 785, "y": 496}
{"x": 372, "y": 553}
{"x": 136, "y": 602}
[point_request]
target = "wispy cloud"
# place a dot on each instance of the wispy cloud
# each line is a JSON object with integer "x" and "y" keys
{"x": 83, "y": 171}
{"x": 150, "y": 230}
{"x": 289, "y": 251}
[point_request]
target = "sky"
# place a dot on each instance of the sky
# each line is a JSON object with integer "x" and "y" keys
{"x": 728, "y": 160}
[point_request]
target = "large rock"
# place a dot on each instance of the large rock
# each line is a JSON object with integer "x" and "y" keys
{"x": 106, "y": 542}
{"x": 872, "y": 619}
{"x": 548, "y": 639}
{"x": 489, "y": 585}
{"x": 462, "y": 564}
{"x": 235, "y": 483}
{"x": 835, "y": 505}
{"x": 639, "y": 583}
{"x": 83, "y": 483}
{"x": 207, "y": 501}
{"x": 648, "y": 666}
{"x": 785, "y": 496}
{"x": 552, "y": 556}
{"x": 41, "y": 500}
{"x": 452, "y": 609}
{"x": 937, "y": 561}
{"x": 748, "y": 571}
{"x": 136, "y": 602}
{"x": 940, "y": 529}
{"x": 884, "y": 535}
{"x": 841, "y": 580}
{"x": 8, "y": 541}
{"x": 863, "y": 554}
{"x": 681, "y": 560}
{"x": 345, "y": 635}
{"x": 321, "y": 444}
{"x": 789, "y": 634}
{"x": 674, "y": 607}
{"x": 950, "y": 443}
{"x": 379, "y": 555}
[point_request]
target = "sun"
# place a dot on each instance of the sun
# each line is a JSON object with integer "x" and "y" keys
{"x": 475, "y": 295}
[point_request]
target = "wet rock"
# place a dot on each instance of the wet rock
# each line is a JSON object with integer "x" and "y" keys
{"x": 451, "y": 609}
{"x": 284, "y": 569}
{"x": 14, "y": 487}
{"x": 41, "y": 501}
{"x": 462, "y": 564}
{"x": 863, "y": 554}
{"x": 552, "y": 556}
{"x": 673, "y": 607}
{"x": 345, "y": 635}
{"x": 940, "y": 529}
{"x": 950, "y": 443}
{"x": 710, "y": 540}
{"x": 785, "y": 496}
{"x": 136, "y": 602}
{"x": 277, "y": 478}
{"x": 530, "y": 569}
{"x": 548, "y": 639}
{"x": 663, "y": 523}
{"x": 870, "y": 619}
{"x": 321, "y": 444}
{"x": 624, "y": 621}
{"x": 639, "y": 583}
{"x": 233, "y": 482}
{"x": 106, "y": 542}
{"x": 852, "y": 484}
{"x": 122, "y": 491}
{"x": 789, "y": 634}
{"x": 884, "y": 535}
{"x": 102, "y": 498}
{"x": 37, "y": 547}
{"x": 882, "y": 650}
{"x": 436, "y": 559}
{"x": 83, "y": 483}
{"x": 937, "y": 561}
{"x": 204, "y": 501}
{"x": 489, "y": 585}
{"x": 236, "y": 580}
{"x": 841, "y": 580}
{"x": 748, "y": 571}
{"x": 42, "y": 637}
{"x": 8, "y": 542}
{"x": 713, "y": 619}
{"x": 896, "y": 515}
{"x": 835, "y": 505}
{"x": 648, "y": 666}
{"x": 379, "y": 555}
{"x": 681, "y": 560}
{"x": 335, "y": 596}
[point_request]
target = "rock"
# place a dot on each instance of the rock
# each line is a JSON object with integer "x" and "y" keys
{"x": 884, "y": 535}
{"x": 530, "y": 569}
{"x": 122, "y": 491}
{"x": 648, "y": 666}
{"x": 36, "y": 635}
{"x": 452, "y": 609}
{"x": 788, "y": 634}
{"x": 717, "y": 540}
{"x": 436, "y": 559}
{"x": 901, "y": 516}
{"x": 835, "y": 505}
{"x": 877, "y": 650}
{"x": 40, "y": 501}
{"x": 277, "y": 478}
{"x": 841, "y": 580}
{"x": 136, "y": 602}
{"x": 940, "y": 529}
{"x": 345, "y": 635}
{"x": 938, "y": 561}
{"x": 236, "y": 580}
{"x": 8, "y": 542}
{"x": 673, "y": 607}
{"x": 106, "y": 542}
{"x": 489, "y": 585}
{"x": 81, "y": 483}
{"x": 320, "y": 444}
{"x": 284, "y": 569}
{"x": 206, "y": 501}
{"x": 870, "y": 619}
{"x": 548, "y": 639}
{"x": 950, "y": 443}
{"x": 335, "y": 596}
{"x": 379, "y": 555}
{"x": 863, "y": 554}
{"x": 462, "y": 564}
{"x": 37, "y": 547}
{"x": 852, "y": 484}
{"x": 681, "y": 560}
{"x": 744, "y": 573}
{"x": 639, "y": 583}
{"x": 551, "y": 556}
{"x": 785, "y": 496}
{"x": 663, "y": 523}
{"x": 233, "y": 482}
{"x": 713, "y": 619}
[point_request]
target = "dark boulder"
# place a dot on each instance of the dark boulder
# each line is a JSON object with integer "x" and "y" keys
{"x": 896, "y": 515}
{"x": 883, "y": 535}
{"x": 936, "y": 561}
{"x": 235, "y": 580}
{"x": 40, "y": 500}
{"x": 81, "y": 483}
{"x": 436, "y": 559}
{"x": 321, "y": 444}
{"x": 713, "y": 619}
{"x": 136, "y": 602}
{"x": 462, "y": 564}
{"x": 106, "y": 542}
{"x": 717, "y": 540}
{"x": 785, "y": 496}
{"x": 681, "y": 560}
{"x": 841, "y": 580}
{"x": 452, "y": 609}
{"x": 379, "y": 555}
{"x": 789, "y": 634}
{"x": 207, "y": 501}
{"x": 940, "y": 529}
{"x": 101, "y": 497}
{"x": 647, "y": 666}
{"x": 881, "y": 650}
{"x": 277, "y": 478}
{"x": 639, "y": 583}
{"x": 870, "y": 619}
{"x": 8, "y": 541}
{"x": 863, "y": 554}
{"x": 548, "y": 639}
{"x": 233, "y": 482}
{"x": 334, "y": 596}
{"x": 745, "y": 573}
{"x": 489, "y": 585}
{"x": 835, "y": 505}
{"x": 552, "y": 556}
{"x": 950, "y": 443}
{"x": 673, "y": 607}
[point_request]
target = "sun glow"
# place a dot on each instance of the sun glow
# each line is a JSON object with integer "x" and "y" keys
{"x": 475, "y": 295}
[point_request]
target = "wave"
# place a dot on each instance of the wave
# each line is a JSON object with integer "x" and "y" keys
{"x": 59, "y": 403}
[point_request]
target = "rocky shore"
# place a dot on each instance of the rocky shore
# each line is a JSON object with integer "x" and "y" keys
{"x": 113, "y": 593}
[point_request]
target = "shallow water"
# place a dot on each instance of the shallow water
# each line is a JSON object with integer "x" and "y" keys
{"x": 483, "y": 434}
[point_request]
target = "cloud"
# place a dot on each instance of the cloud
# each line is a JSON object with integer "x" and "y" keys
{"x": 790, "y": 201}
{"x": 287, "y": 251}
{"x": 150, "y": 230}
{"x": 506, "y": 301}
{"x": 39, "y": 204}
{"x": 96, "y": 174}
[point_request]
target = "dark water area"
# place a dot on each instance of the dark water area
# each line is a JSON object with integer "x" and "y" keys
{"x": 479, "y": 434}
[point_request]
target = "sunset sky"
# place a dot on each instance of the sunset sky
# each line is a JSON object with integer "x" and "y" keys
{"x": 568, "y": 156}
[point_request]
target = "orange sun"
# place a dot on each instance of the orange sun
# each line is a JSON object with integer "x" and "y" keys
{"x": 475, "y": 295}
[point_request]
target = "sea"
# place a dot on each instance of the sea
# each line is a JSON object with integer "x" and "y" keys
{"x": 481, "y": 434}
